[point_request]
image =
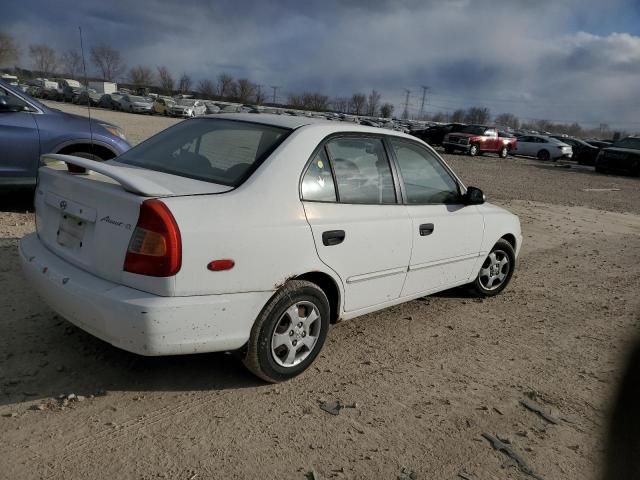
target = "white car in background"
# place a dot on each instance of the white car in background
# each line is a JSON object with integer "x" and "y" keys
{"x": 134, "y": 104}
{"x": 542, "y": 147}
{"x": 253, "y": 233}
{"x": 187, "y": 107}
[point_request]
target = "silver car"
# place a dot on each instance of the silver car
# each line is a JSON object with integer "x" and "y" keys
{"x": 133, "y": 104}
{"x": 187, "y": 107}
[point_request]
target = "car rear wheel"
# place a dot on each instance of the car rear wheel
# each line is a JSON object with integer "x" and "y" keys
{"x": 544, "y": 155}
{"x": 448, "y": 150}
{"x": 289, "y": 332}
{"x": 504, "y": 151}
{"x": 496, "y": 271}
{"x": 474, "y": 150}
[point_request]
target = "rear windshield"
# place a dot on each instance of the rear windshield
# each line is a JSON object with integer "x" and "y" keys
{"x": 629, "y": 142}
{"x": 213, "y": 150}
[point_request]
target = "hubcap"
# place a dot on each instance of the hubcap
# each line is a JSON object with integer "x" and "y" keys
{"x": 296, "y": 334}
{"x": 494, "y": 270}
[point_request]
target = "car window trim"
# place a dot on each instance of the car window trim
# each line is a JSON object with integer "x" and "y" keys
{"x": 460, "y": 186}
{"x": 323, "y": 144}
{"x": 35, "y": 109}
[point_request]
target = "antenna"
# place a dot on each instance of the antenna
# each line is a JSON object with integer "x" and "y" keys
{"x": 86, "y": 86}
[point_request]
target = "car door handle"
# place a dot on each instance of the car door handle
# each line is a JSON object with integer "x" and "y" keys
{"x": 426, "y": 229}
{"x": 333, "y": 237}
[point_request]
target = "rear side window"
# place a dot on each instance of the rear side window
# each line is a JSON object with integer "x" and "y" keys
{"x": 218, "y": 151}
{"x": 426, "y": 180}
{"x": 362, "y": 170}
{"x": 317, "y": 183}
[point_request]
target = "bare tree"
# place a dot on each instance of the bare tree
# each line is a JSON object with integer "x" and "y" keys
{"x": 9, "y": 51}
{"x": 225, "y": 85}
{"x": 165, "y": 79}
{"x": 439, "y": 117}
{"x": 43, "y": 58}
{"x": 206, "y": 88}
{"x": 358, "y": 103}
{"x": 508, "y": 120}
{"x": 108, "y": 62}
{"x": 260, "y": 96}
{"x": 340, "y": 104}
{"x": 295, "y": 101}
{"x": 141, "y": 76}
{"x": 315, "y": 101}
{"x": 373, "y": 101}
{"x": 478, "y": 115}
{"x": 386, "y": 110}
{"x": 184, "y": 84}
{"x": 72, "y": 63}
{"x": 246, "y": 90}
{"x": 458, "y": 116}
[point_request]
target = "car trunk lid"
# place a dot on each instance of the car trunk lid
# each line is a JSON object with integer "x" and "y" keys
{"x": 88, "y": 219}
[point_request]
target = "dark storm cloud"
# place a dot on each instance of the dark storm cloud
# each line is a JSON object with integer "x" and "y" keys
{"x": 537, "y": 59}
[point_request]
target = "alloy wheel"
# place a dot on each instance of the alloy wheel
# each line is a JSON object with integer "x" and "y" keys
{"x": 296, "y": 334}
{"x": 495, "y": 270}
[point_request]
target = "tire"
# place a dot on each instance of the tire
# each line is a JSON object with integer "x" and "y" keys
{"x": 499, "y": 265}
{"x": 448, "y": 150}
{"x": 474, "y": 150}
{"x": 504, "y": 152}
{"x": 275, "y": 363}
{"x": 544, "y": 155}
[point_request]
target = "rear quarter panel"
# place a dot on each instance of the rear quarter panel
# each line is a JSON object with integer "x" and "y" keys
{"x": 261, "y": 226}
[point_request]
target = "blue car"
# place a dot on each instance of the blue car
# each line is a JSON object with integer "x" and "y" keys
{"x": 28, "y": 129}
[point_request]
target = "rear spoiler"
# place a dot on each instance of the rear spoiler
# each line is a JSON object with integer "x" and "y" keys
{"x": 123, "y": 175}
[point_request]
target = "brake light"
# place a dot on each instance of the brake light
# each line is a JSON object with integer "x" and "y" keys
{"x": 155, "y": 248}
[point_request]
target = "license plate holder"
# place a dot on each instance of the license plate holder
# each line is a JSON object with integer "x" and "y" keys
{"x": 70, "y": 231}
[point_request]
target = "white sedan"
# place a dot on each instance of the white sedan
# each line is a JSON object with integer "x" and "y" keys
{"x": 247, "y": 233}
{"x": 187, "y": 107}
{"x": 133, "y": 104}
{"x": 543, "y": 147}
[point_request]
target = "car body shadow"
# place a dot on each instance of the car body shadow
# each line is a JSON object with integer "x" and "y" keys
{"x": 43, "y": 356}
{"x": 17, "y": 200}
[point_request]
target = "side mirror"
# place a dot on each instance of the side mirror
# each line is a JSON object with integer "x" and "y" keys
{"x": 474, "y": 196}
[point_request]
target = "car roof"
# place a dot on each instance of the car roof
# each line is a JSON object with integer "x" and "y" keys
{"x": 283, "y": 121}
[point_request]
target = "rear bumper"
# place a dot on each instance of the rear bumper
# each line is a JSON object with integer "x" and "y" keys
{"x": 137, "y": 321}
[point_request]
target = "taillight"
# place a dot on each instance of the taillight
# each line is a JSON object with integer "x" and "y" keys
{"x": 155, "y": 248}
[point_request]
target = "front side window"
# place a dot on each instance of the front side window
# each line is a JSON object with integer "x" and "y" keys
{"x": 317, "y": 183}
{"x": 14, "y": 101}
{"x": 218, "y": 151}
{"x": 426, "y": 180}
{"x": 362, "y": 170}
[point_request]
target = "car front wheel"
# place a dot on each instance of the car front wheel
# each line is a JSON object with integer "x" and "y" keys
{"x": 504, "y": 151}
{"x": 289, "y": 332}
{"x": 474, "y": 150}
{"x": 496, "y": 271}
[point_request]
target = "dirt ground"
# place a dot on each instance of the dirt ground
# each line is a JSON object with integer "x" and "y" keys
{"x": 423, "y": 381}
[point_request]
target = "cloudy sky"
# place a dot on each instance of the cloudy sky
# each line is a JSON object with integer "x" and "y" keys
{"x": 561, "y": 60}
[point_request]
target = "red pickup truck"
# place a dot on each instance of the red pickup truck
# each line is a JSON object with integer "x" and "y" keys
{"x": 477, "y": 139}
